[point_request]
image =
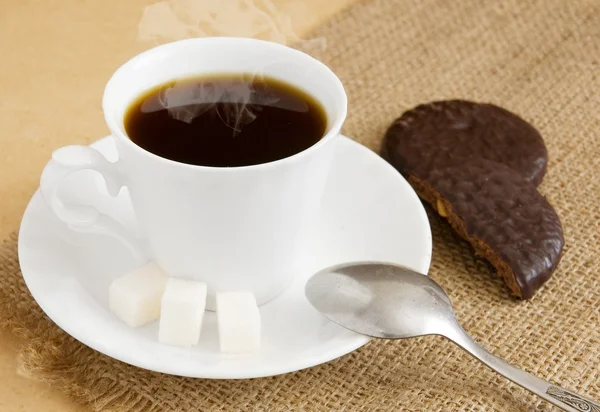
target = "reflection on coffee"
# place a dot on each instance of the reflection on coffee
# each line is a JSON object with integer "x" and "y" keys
{"x": 225, "y": 120}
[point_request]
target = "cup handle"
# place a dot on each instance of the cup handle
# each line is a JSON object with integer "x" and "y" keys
{"x": 84, "y": 218}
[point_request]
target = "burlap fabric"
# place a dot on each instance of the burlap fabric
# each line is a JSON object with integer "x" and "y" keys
{"x": 540, "y": 59}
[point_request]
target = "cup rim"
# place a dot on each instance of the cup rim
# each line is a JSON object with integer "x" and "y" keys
{"x": 119, "y": 134}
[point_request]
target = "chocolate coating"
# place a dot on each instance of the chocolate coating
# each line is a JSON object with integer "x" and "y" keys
{"x": 438, "y": 134}
{"x": 503, "y": 216}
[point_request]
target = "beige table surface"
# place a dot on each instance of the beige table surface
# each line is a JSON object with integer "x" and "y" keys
{"x": 56, "y": 57}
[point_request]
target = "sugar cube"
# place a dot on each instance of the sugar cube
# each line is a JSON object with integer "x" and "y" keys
{"x": 182, "y": 311}
{"x": 135, "y": 297}
{"x": 238, "y": 321}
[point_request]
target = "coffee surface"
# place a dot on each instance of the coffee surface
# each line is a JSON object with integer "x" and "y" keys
{"x": 225, "y": 120}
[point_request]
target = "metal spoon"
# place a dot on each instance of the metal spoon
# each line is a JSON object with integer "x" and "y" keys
{"x": 392, "y": 302}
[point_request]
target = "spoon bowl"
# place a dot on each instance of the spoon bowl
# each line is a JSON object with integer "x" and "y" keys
{"x": 379, "y": 300}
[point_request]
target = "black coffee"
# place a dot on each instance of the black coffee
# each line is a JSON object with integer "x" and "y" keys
{"x": 226, "y": 120}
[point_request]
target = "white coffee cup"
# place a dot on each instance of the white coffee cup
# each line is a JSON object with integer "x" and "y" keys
{"x": 233, "y": 228}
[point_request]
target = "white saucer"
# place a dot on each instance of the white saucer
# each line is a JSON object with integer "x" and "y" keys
{"x": 369, "y": 212}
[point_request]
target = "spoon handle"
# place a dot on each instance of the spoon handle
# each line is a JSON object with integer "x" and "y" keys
{"x": 564, "y": 399}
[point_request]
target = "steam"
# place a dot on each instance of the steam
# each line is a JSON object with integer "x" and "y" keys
{"x": 235, "y": 106}
{"x": 171, "y": 20}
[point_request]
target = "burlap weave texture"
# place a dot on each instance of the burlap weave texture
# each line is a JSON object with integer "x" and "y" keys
{"x": 540, "y": 59}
